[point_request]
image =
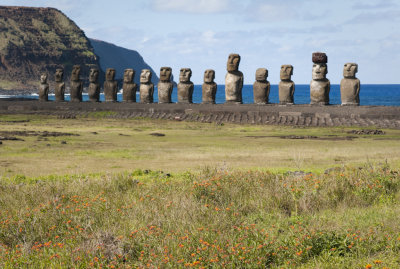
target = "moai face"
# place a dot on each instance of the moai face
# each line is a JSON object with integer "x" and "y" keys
{"x": 145, "y": 76}
{"x": 110, "y": 74}
{"x": 209, "y": 76}
{"x": 59, "y": 75}
{"x": 185, "y": 75}
{"x": 76, "y": 72}
{"x": 350, "y": 70}
{"x": 319, "y": 71}
{"x": 43, "y": 79}
{"x": 129, "y": 74}
{"x": 261, "y": 74}
{"x": 233, "y": 62}
{"x": 165, "y": 73}
{"x": 286, "y": 72}
{"x": 93, "y": 75}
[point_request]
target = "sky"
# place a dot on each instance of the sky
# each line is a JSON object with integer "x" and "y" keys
{"x": 200, "y": 34}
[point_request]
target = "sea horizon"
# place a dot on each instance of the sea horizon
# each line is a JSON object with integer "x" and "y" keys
{"x": 370, "y": 94}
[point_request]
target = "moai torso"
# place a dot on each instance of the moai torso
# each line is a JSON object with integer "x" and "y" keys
{"x": 146, "y": 87}
{"x": 233, "y": 80}
{"x": 59, "y": 90}
{"x": 185, "y": 86}
{"x": 43, "y": 88}
{"x": 165, "y": 86}
{"x": 261, "y": 87}
{"x": 320, "y": 85}
{"x": 94, "y": 86}
{"x": 350, "y": 85}
{"x": 209, "y": 87}
{"x": 110, "y": 86}
{"x": 129, "y": 88}
{"x": 76, "y": 85}
{"x": 286, "y": 85}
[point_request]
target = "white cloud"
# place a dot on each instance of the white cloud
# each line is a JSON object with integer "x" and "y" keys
{"x": 192, "y": 6}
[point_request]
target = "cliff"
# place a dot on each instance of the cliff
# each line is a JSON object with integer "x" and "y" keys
{"x": 37, "y": 40}
{"x": 112, "y": 56}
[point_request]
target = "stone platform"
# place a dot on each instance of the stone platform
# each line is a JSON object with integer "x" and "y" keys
{"x": 294, "y": 115}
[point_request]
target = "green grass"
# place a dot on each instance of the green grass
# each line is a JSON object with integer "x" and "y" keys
{"x": 116, "y": 145}
{"x": 212, "y": 219}
{"x": 203, "y": 195}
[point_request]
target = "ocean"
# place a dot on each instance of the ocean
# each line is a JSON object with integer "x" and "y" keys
{"x": 370, "y": 94}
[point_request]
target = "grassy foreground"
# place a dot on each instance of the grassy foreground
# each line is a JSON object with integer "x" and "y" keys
{"x": 96, "y": 192}
{"x": 212, "y": 219}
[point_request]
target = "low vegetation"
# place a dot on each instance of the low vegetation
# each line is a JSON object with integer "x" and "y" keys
{"x": 211, "y": 219}
{"x": 98, "y": 192}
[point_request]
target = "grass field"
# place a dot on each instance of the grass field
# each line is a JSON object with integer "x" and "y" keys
{"x": 104, "y": 193}
{"x": 117, "y": 145}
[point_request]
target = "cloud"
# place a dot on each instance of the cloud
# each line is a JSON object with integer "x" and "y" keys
{"x": 260, "y": 11}
{"x": 373, "y": 17}
{"x": 380, "y": 4}
{"x": 191, "y": 6}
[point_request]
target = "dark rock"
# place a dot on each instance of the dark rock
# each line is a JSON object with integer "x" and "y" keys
{"x": 366, "y": 132}
{"x": 157, "y": 134}
{"x": 11, "y": 138}
{"x": 63, "y": 142}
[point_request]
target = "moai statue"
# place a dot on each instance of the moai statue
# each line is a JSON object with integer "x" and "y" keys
{"x": 185, "y": 86}
{"x": 146, "y": 87}
{"x": 43, "y": 88}
{"x": 165, "y": 85}
{"x": 320, "y": 85}
{"x": 76, "y": 85}
{"x": 261, "y": 87}
{"x": 233, "y": 80}
{"x": 209, "y": 87}
{"x": 129, "y": 87}
{"x": 286, "y": 85}
{"x": 94, "y": 86}
{"x": 110, "y": 86}
{"x": 350, "y": 85}
{"x": 60, "y": 85}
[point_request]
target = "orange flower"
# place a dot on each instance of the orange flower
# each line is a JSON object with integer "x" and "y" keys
{"x": 377, "y": 261}
{"x": 368, "y": 266}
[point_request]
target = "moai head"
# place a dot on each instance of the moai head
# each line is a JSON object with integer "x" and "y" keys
{"x": 145, "y": 76}
{"x": 76, "y": 72}
{"x": 319, "y": 71}
{"x": 185, "y": 75}
{"x": 261, "y": 74}
{"x": 233, "y": 62}
{"x": 165, "y": 73}
{"x": 209, "y": 76}
{"x": 286, "y": 72}
{"x": 350, "y": 70}
{"x": 93, "y": 75}
{"x": 110, "y": 74}
{"x": 129, "y": 74}
{"x": 59, "y": 75}
{"x": 43, "y": 78}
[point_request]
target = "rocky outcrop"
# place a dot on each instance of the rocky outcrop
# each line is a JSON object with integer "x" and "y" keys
{"x": 37, "y": 40}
